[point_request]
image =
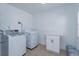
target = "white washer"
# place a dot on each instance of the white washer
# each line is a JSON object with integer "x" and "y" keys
{"x": 32, "y": 40}
{"x": 53, "y": 43}
{"x": 17, "y": 45}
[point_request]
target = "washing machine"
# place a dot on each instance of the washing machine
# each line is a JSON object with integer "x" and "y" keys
{"x": 31, "y": 39}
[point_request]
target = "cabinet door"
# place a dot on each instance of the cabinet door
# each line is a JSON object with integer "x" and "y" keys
{"x": 4, "y": 49}
{"x": 52, "y": 43}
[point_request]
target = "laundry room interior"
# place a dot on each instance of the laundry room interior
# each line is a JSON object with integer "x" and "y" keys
{"x": 37, "y": 29}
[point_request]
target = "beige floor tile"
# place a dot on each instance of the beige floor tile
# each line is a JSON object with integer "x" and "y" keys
{"x": 40, "y": 50}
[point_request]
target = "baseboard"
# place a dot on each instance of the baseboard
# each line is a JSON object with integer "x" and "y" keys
{"x": 42, "y": 43}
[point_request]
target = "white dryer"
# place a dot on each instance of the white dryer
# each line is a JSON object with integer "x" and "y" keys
{"x": 31, "y": 39}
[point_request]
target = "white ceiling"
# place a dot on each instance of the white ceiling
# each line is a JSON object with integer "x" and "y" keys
{"x": 36, "y": 7}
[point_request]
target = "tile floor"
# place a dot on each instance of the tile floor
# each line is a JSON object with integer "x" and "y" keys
{"x": 40, "y": 50}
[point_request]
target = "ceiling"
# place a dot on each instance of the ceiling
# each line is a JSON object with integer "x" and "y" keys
{"x": 37, "y": 7}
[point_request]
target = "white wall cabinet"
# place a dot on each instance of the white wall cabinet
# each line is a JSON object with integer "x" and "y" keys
{"x": 53, "y": 43}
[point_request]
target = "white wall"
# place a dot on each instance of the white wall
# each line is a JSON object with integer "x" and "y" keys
{"x": 60, "y": 21}
{"x": 78, "y": 23}
{"x": 9, "y": 16}
{"x": 50, "y": 22}
{"x": 72, "y": 26}
{"x": 78, "y": 32}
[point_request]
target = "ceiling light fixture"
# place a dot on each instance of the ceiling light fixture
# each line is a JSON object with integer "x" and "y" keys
{"x": 43, "y": 3}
